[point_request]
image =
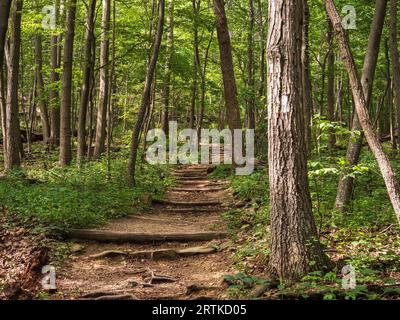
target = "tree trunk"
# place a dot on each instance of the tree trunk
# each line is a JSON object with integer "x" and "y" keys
{"x": 55, "y": 61}
{"x": 394, "y": 57}
{"x": 294, "y": 239}
{"x": 44, "y": 116}
{"x": 345, "y": 188}
{"x": 362, "y": 111}
{"x": 87, "y": 77}
{"x": 306, "y": 77}
{"x": 228, "y": 75}
{"x": 251, "y": 102}
{"x": 104, "y": 82}
{"x": 330, "y": 86}
{"x": 66, "y": 96}
{"x": 13, "y": 136}
{"x": 168, "y": 71}
{"x": 196, "y": 63}
{"x": 144, "y": 104}
{"x": 4, "y": 15}
{"x": 203, "y": 85}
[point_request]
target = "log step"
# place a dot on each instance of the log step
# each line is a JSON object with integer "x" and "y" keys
{"x": 192, "y": 210}
{"x": 134, "y": 237}
{"x": 184, "y": 203}
{"x": 197, "y": 189}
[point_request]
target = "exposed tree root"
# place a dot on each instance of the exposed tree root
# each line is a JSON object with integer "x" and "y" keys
{"x": 155, "y": 254}
{"x": 120, "y": 237}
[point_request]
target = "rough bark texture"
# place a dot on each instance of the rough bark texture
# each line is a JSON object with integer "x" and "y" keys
{"x": 362, "y": 111}
{"x": 87, "y": 77}
{"x": 294, "y": 242}
{"x": 104, "y": 81}
{"x": 228, "y": 74}
{"x": 66, "y": 97}
{"x": 13, "y": 137}
{"x": 345, "y": 187}
{"x": 144, "y": 104}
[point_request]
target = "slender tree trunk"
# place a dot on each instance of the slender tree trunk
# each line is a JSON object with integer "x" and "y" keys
{"x": 261, "y": 91}
{"x": 66, "y": 97}
{"x": 144, "y": 104}
{"x": 104, "y": 82}
{"x": 4, "y": 15}
{"x": 228, "y": 74}
{"x": 251, "y": 101}
{"x": 44, "y": 116}
{"x": 87, "y": 77}
{"x": 294, "y": 239}
{"x": 55, "y": 61}
{"x": 13, "y": 136}
{"x": 330, "y": 86}
{"x": 196, "y": 63}
{"x": 168, "y": 71}
{"x": 345, "y": 188}
{"x": 203, "y": 85}
{"x": 394, "y": 57}
{"x": 362, "y": 110}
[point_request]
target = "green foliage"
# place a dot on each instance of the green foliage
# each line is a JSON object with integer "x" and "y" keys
{"x": 57, "y": 198}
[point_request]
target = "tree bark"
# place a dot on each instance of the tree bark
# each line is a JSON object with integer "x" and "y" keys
{"x": 66, "y": 97}
{"x": 294, "y": 239}
{"x": 330, "y": 86}
{"x": 13, "y": 137}
{"x": 228, "y": 74}
{"x": 44, "y": 116}
{"x": 394, "y": 57}
{"x": 362, "y": 111}
{"x": 4, "y": 15}
{"x": 168, "y": 71}
{"x": 55, "y": 61}
{"x": 306, "y": 77}
{"x": 251, "y": 100}
{"x": 196, "y": 64}
{"x": 345, "y": 188}
{"x": 104, "y": 82}
{"x": 144, "y": 104}
{"x": 87, "y": 77}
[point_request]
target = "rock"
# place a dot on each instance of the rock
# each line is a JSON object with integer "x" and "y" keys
{"x": 76, "y": 248}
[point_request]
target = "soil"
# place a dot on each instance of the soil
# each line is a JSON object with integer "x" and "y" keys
{"x": 193, "y": 277}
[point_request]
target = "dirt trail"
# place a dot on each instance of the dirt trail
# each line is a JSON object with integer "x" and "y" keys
{"x": 188, "y": 269}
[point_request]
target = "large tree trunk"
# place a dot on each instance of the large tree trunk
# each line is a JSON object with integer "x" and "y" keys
{"x": 330, "y": 86}
{"x": 394, "y": 57}
{"x": 345, "y": 188}
{"x": 55, "y": 61}
{"x": 66, "y": 97}
{"x": 4, "y": 15}
{"x": 306, "y": 77}
{"x": 294, "y": 239}
{"x": 87, "y": 77}
{"x": 144, "y": 104}
{"x": 362, "y": 111}
{"x": 104, "y": 82}
{"x": 44, "y": 116}
{"x": 13, "y": 136}
{"x": 168, "y": 71}
{"x": 251, "y": 102}
{"x": 228, "y": 74}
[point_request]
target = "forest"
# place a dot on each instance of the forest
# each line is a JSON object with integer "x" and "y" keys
{"x": 199, "y": 149}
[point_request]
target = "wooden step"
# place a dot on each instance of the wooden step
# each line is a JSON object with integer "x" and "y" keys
{"x": 192, "y": 204}
{"x": 202, "y": 189}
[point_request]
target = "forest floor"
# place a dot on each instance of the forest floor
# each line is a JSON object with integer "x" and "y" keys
{"x": 191, "y": 268}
